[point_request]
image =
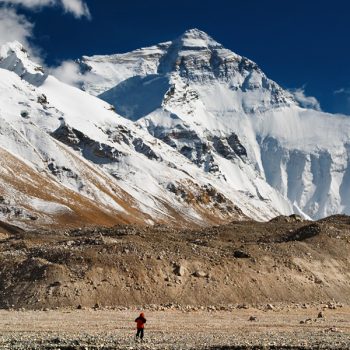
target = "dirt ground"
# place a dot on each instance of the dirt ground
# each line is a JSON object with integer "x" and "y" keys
{"x": 284, "y": 284}
{"x": 284, "y": 327}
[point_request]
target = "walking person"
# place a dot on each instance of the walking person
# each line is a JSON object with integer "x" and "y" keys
{"x": 140, "y": 325}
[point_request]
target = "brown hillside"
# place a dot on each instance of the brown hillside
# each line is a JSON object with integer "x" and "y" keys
{"x": 242, "y": 262}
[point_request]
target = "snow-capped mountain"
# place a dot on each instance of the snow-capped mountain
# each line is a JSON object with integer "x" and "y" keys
{"x": 183, "y": 132}
{"x": 68, "y": 159}
{"x": 222, "y": 113}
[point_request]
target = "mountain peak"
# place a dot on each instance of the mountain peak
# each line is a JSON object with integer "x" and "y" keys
{"x": 195, "y": 38}
{"x": 15, "y": 58}
{"x": 13, "y": 48}
{"x": 192, "y": 43}
{"x": 195, "y": 33}
{"x": 11, "y": 45}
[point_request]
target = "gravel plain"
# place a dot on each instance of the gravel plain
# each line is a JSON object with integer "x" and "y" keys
{"x": 265, "y": 327}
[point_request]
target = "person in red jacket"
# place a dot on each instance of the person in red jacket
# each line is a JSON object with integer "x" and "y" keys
{"x": 140, "y": 324}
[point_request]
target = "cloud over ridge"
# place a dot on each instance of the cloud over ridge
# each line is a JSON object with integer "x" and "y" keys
{"x": 17, "y": 27}
{"x": 304, "y": 100}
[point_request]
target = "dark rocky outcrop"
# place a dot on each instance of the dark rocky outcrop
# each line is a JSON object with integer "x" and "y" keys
{"x": 94, "y": 151}
{"x": 305, "y": 232}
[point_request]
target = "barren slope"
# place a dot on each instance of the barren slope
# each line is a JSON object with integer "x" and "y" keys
{"x": 243, "y": 262}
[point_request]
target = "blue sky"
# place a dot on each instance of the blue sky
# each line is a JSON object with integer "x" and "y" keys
{"x": 299, "y": 44}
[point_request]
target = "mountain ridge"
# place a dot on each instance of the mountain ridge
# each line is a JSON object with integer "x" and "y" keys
{"x": 209, "y": 139}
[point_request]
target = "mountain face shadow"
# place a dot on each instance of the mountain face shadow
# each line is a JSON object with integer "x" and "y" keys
{"x": 137, "y": 96}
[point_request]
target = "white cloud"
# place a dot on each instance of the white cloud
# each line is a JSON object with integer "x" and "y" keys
{"x": 14, "y": 27}
{"x": 344, "y": 91}
{"x": 305, "y": 101}
{"x": 68, "y": 72}
{"x": 29, "y": 3}
{"x": 342, "y": 97}
{"x": 78, "y": 8}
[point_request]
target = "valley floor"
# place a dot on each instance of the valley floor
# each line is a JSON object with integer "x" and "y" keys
{"x": 247, "y": 285}
{"x": 285, "y": 327}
